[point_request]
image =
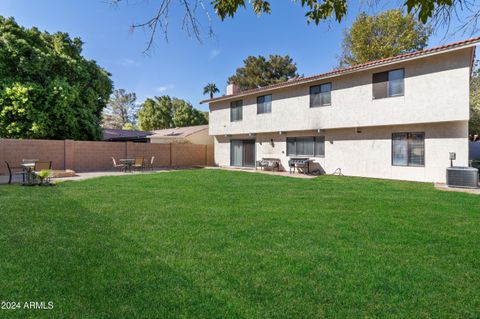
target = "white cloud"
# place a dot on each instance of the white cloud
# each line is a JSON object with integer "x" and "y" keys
{"x": 128, "y": 62}
{"x": 214, "y": 53}
{"x": 164, "y": 88}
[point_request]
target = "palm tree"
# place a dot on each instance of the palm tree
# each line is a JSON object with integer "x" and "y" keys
{"x": 210, "y": 88}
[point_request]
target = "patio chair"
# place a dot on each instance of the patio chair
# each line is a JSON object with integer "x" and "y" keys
{"x": 29, "y": 161}
{"x": 40, "y": 166}
{"x": 11, "y": 172}
{"x": 139, "y": 163}
{"x": 121, "y": 167}
{"x": 150, "y": 164}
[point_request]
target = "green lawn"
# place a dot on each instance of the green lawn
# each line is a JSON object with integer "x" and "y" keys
{"x": 219, "y": 244}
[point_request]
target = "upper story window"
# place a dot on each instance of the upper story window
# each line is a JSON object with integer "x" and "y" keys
{"x": 236, "y": 111}
{"x": 388, "y": 84}
{"x": 321, "y": 95}
{"x": 264, "y": 104}
{"x": 306, "y": 146}
{"x": 408, "y": 149}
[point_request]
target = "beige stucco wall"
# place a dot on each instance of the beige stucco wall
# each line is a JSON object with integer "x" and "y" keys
{"x": 166, "y": 140}
{"x": 436, "y": 90}
{"x": 367, "y": 153}
{"x": 200, "y": 137}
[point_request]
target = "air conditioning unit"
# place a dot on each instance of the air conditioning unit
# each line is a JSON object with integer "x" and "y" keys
{"x": 458, "y": 176}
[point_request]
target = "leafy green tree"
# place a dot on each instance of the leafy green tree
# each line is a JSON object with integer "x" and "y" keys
{"x": 129, "y": 127}
{"x": 155, "y": 113}
{"x": 210, "y": 88}
{"x": 316, "y": 10}
{"x": 186, "y": 115}
{"x": 320, "y": 10}
{"x": 258, "y": 71}
{"x": 121, "y": 110}
{"x": 474, "y": 124}
{"x": 166, "y": 112}
{"x": 47, "y": 88}
{"x": 387, "y": 34}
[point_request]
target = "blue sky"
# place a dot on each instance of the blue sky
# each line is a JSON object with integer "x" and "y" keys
{"x": 182, "y": 66}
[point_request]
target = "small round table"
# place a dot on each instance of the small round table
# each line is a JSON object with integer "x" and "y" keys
{"x": 127, "y": 162}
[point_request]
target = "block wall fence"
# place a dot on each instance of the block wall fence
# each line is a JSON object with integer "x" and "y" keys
{"x": 96, "y": 156}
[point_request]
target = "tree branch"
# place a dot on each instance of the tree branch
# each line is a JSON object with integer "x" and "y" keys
{"x": 160, "y": 21}
{"x": 437, "y": 12}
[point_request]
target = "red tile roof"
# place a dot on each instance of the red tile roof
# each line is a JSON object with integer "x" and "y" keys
{"x": 398, "y": 58}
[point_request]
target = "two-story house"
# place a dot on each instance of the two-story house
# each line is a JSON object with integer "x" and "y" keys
{"x": 395, "y": 118}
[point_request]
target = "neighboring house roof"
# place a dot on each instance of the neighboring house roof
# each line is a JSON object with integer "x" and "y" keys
{"x": 359, "y": 67}
{"x": 124, "y": 135}
{"x": 178, "y": 132}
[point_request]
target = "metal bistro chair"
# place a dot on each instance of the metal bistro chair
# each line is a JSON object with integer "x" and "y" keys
{"x": 11, "y": 172}
{"x": 121, "y": 167}
{"x": 150, "y": 164}
{"x": 139, "y": 160}
{"x": 40, "y": 166}
{"x": 29, "y": 161}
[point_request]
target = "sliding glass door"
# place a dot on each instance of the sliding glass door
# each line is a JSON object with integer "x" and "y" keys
{"x": 242, "y": 153}
{"x": 236, "y": 153}
{"x": 249, "y": 153}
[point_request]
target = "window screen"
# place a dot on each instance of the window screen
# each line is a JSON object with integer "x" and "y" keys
{"x": 400, "y": 149}
{"x": 416, "y": 151}
{"x": 395, "y": 82}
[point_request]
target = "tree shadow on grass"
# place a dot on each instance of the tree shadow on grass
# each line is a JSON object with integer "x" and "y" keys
{"x": 55, "y": 249}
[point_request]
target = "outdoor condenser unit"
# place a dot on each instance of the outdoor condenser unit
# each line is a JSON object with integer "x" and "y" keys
{"x": 459, "y": 176}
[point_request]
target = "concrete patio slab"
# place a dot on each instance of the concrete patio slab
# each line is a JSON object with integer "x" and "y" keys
{"x": 252, "y": 170}
{"x": 444, "y": 187}
{"x": 79, "y": 176}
